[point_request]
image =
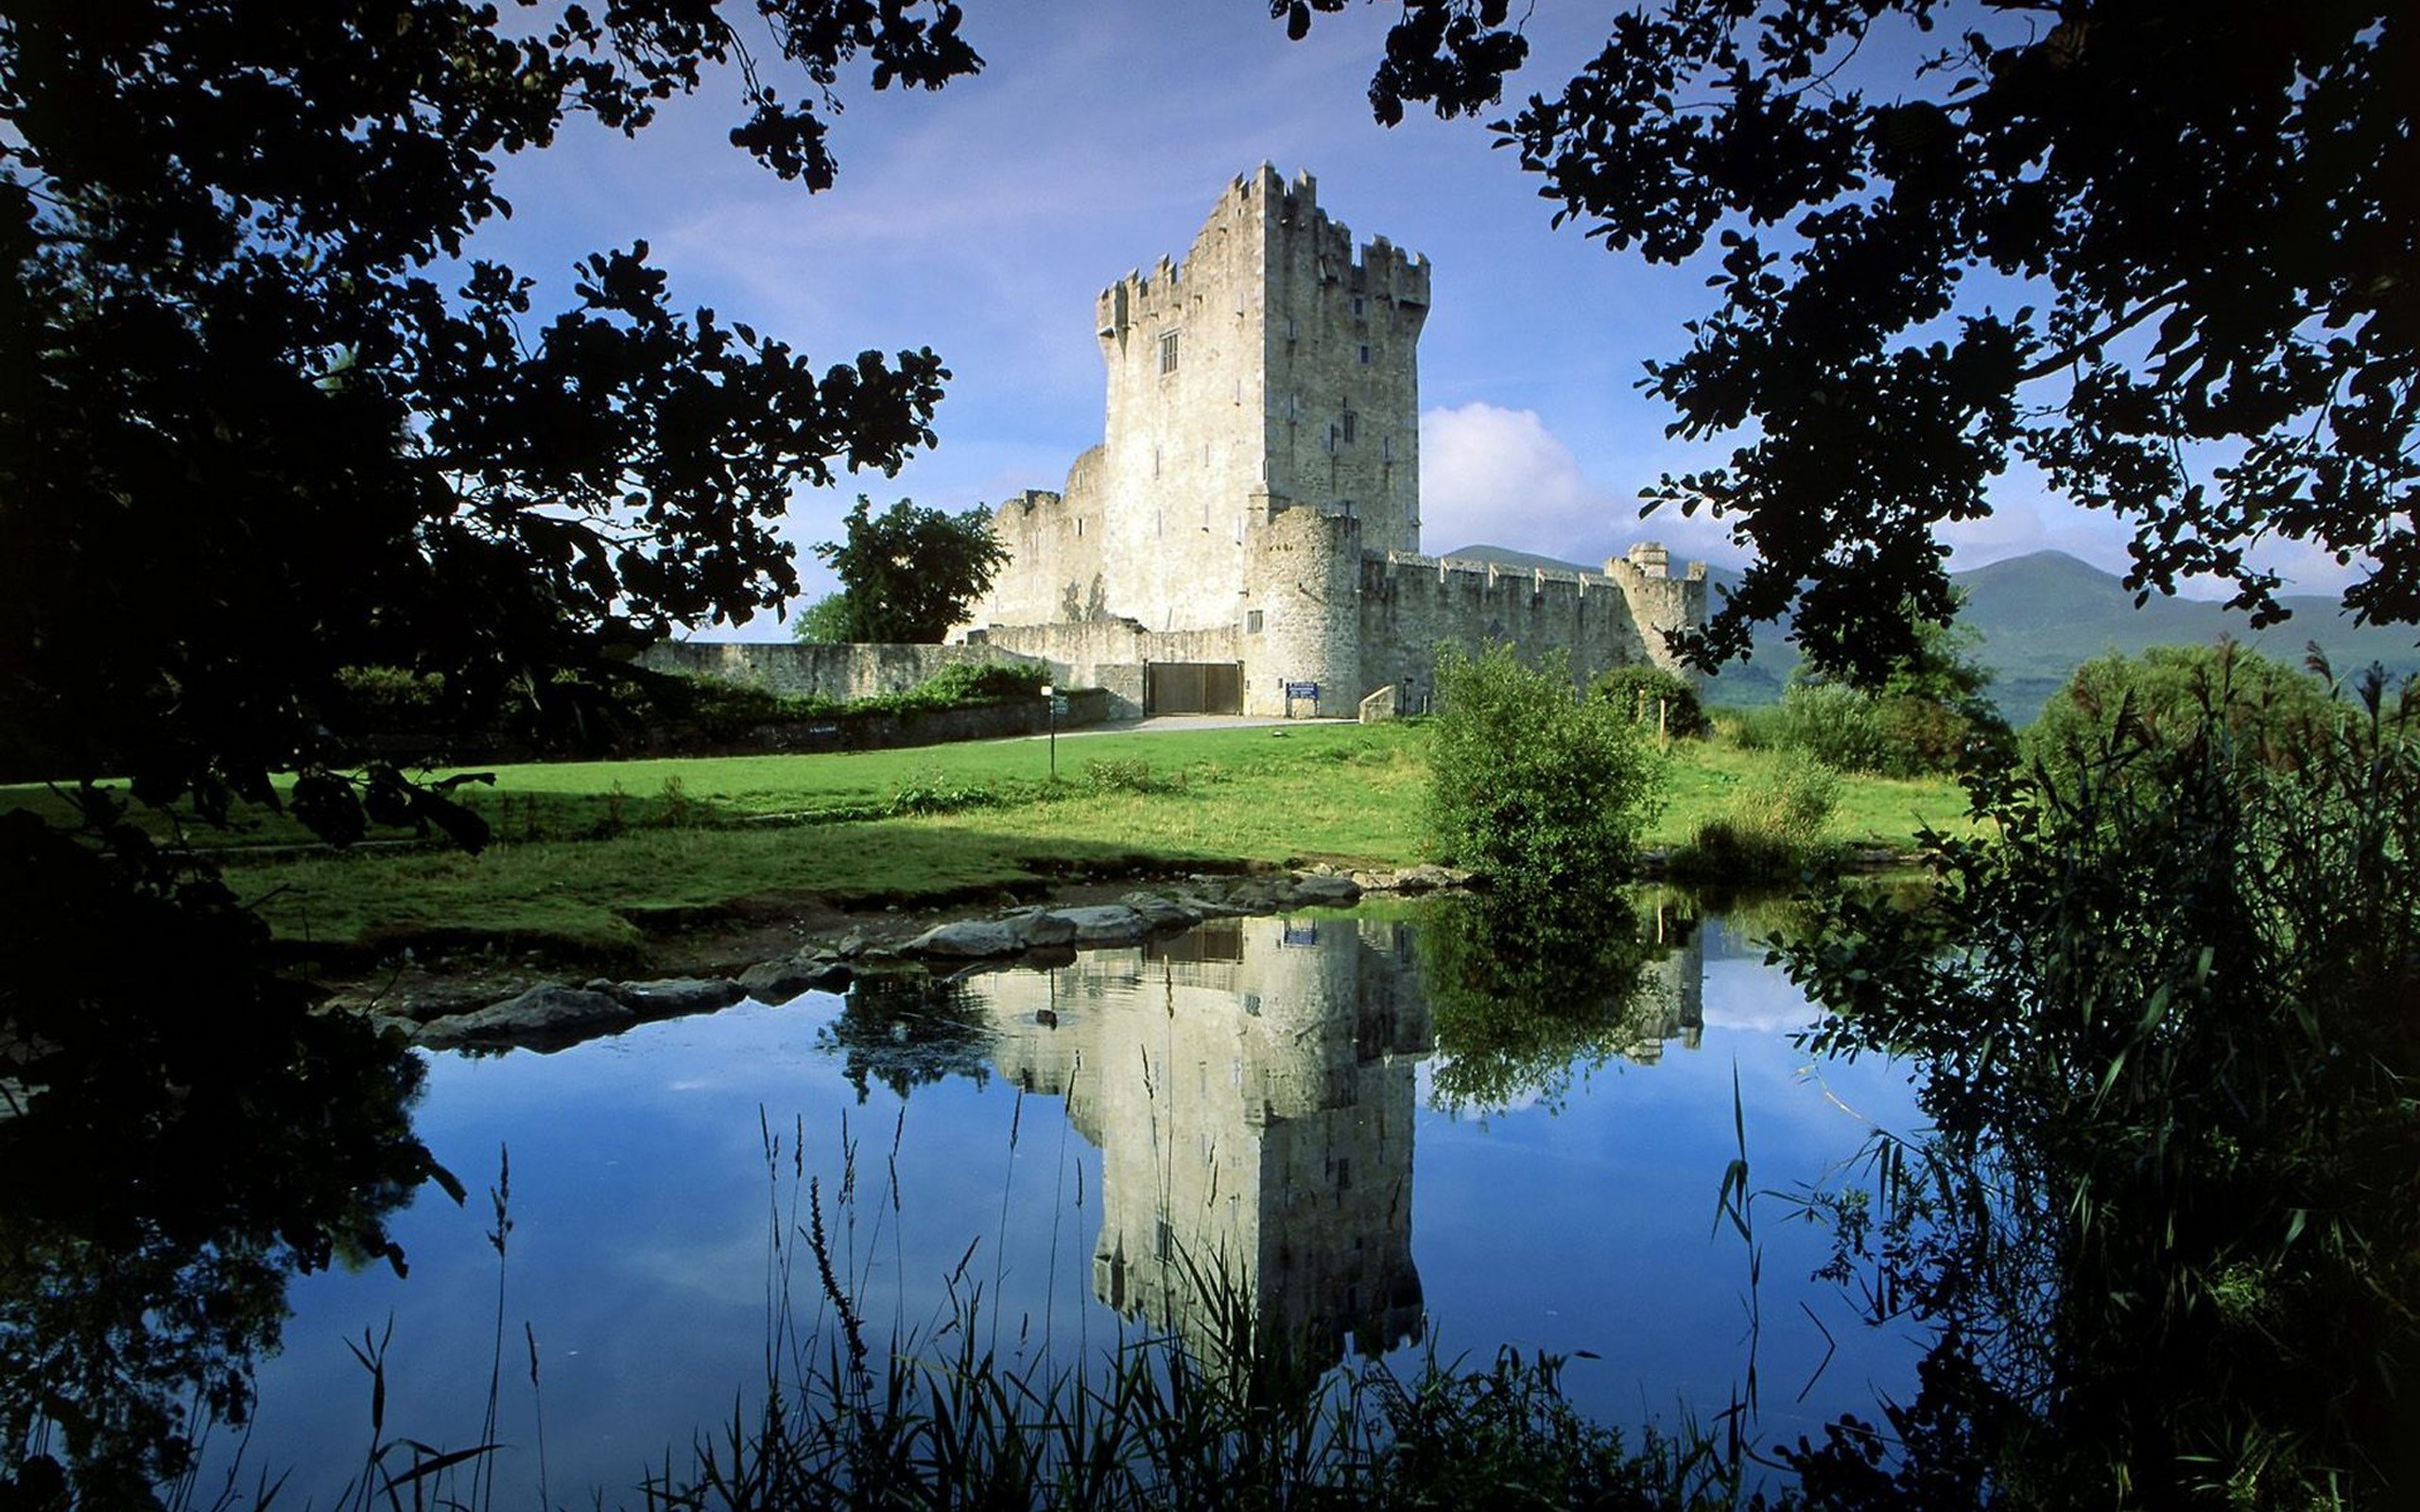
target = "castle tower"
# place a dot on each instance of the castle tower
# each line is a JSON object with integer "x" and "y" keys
{"x": 1251, "y": 1089}
{"x": 1274, "y": 367}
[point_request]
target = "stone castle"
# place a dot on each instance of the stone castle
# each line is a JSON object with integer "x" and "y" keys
{"x": 1247, "y": 531}
{"x": 1253, "y": 1086}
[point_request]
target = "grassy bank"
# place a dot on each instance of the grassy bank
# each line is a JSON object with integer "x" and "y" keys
{"x": 586, "y": 851}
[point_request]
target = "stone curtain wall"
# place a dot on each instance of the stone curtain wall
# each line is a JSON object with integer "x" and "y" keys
{"x": 1354, "y": 623}
{"x": 841, "y": 672}
{"x": 1409, "y": 605}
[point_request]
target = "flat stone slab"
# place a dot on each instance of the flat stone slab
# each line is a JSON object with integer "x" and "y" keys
{"x": 550, "y": 1013}
{"x": 1104, "y": 923}
{"x": 1161, "y": 912}
{"x": 968, "y": 939}
{"x": 679, "y": 995}
{"x": 1044, "y": 928}
{"x": 779, "y": 982}
{"x": 1338, "y": 890}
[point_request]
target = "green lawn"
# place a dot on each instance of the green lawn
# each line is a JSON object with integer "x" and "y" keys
{"x": 584, "y": 847}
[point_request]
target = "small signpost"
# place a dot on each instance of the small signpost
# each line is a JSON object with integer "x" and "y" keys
{"x": 1301, "y": 690}
{"x": 1058, "y": 706}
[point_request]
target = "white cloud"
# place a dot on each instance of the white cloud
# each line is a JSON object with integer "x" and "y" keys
{"x": 1500, "y": 477}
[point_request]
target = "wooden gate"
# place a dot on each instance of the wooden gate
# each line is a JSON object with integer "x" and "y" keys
{"x": 1193, "y": 688}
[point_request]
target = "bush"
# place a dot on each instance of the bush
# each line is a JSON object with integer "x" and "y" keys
{"x": 1653, "y": 697}
{"x": 389, "y": 698}
{"x": 2165, "y": 1016}
{"x": 1527, "y": 782}
{"x": 1890, "y": 734}
{"x": 964, "y": 682}
{"x": 937, "y": 792}
{"x": 1837, "y": 726}
{"x": 1129, "y": 774}
{"x": 2174, "y": 694}
{"x": 1774, "y": 826}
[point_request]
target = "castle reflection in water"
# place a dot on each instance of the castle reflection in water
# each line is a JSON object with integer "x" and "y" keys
{"x": 1251, "y": 1088}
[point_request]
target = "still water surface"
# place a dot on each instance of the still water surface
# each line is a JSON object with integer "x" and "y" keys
{"x": 1272, "y": 1092}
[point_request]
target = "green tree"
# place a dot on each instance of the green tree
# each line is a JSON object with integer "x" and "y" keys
{"x": 267, "y": 419}
{"x": 1529, "y": 990}
{"x": 2167, "y": 1214}
{"x": 266, "y": 414}
{"x": 910, "y": 573}
{"x": 825, "y": 622}
{"x": 1652, "y": 696}
{"x": 2170, "y": 695}
{"x": 1529, "y": 783}
{"x": 1931, "y": 712}
{"x": 2161, "y": 251}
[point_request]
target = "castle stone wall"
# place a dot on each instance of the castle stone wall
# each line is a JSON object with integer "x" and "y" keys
{"x": 838, "y": 672}
{"x": 1409, "y": 605}
{"x": 1110, "y": 654}
{"x": 1343, "y": 411}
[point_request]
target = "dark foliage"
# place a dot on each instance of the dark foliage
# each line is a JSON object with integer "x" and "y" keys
{"x": 179, "y": 1132}
{"x": 2161, "y": 249}
{"x": 908, "y": 574}
{"x": 258, "y": 425}
{"x": 2167, "y": 1217}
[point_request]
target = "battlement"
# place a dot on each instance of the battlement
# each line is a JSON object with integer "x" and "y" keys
{"x": 1603, "y": 619}
{"x": 1287, "y": 215}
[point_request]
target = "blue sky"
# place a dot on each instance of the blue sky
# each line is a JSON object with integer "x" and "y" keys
{"x": 982, "y": 220}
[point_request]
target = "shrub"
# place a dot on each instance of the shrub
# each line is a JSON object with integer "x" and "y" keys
{"x": 960, "y": 685}
{"x": 1749, "y": 728}
{"x": 1527, "y": 782}
{"x": 2165, "y": 1016}
{"x": 390, "y": 698}
{"x": 726, "y": 711}
{"x": 1653, "y": 697}
{"x": 2174, "y": 694}
{"x": 936, "y": 792}
{"x": 985, "y": 682}
{"x": 1837, "y": 726}
{"x": 1774, "y": 826}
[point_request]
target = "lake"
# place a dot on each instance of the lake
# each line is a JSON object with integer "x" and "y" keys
{"x": 1390, "y": 1162}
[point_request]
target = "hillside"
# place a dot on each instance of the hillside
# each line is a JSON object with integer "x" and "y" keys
{"x": 2042, "y": 615}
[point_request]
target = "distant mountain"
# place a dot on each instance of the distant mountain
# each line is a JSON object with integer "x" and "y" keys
{"x": 2043, "y": 615}
{"x": 1506, "y": 556}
